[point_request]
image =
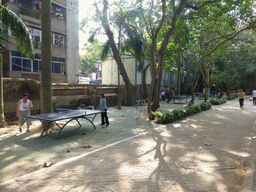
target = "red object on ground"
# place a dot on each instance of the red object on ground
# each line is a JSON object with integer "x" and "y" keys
{"x": 87, "y": 146}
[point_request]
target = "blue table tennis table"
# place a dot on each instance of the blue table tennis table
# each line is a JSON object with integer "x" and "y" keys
{"x": 62, "y": 114}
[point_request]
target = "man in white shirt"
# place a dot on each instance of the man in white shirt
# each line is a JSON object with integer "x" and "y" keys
{"x": 254, "y": 97}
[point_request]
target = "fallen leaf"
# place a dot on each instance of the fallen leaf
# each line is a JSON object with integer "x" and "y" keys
{"x": 47, "y": 164}
{"x": 18, "y": 179}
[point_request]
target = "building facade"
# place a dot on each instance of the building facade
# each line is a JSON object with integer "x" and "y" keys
{"x": 110, "y": 71}
{"x": 65, "y": 41}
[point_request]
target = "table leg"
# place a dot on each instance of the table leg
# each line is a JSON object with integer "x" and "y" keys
{"x": 61, "y": 128}
{"x": 45, "y": 127}
{"x": 91, "y": 121}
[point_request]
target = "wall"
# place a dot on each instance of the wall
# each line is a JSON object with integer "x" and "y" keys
{"x": 64, "y": 95}
{"x": 109, "y": 71}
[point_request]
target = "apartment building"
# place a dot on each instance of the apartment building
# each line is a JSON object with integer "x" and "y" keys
{"x": 65, "y": 41}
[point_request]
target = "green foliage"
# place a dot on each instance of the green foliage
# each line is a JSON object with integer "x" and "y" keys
{"x": 218, "y": 101}
{"x": 198, "y": 108}
{"x": 88, "y": 61}
{"x": 189, "y": 111}
{"x": 231, "y": 97}
{"x": 178, "y": 114}
{"x": 19, "y": 29}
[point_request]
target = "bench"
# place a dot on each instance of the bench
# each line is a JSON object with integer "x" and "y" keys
{"x": 180, "y": 98}
{"x": 138, "y": 102}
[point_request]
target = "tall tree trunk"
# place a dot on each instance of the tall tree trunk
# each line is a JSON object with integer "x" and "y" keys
{"x": 144, "y": 84}
{"x": 179, "y": 72}
{"x": 104, "y": 19}
{"x": 158, "y": 85}
{"x": 163, "y": 48}
{"x": 153, "y": 71}
{"x": 46, "y": 81}
{"x": 207, "y": 84}
{"x": 3, "y": 122}
{"x": 193, "y": 90}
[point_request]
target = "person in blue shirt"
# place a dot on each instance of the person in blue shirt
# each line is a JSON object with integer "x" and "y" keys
{"x": 103, "y": 107}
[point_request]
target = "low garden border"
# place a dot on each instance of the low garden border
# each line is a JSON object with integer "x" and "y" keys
{"x": 178, "y": 114}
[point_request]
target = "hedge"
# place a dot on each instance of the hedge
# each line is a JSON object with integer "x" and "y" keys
{"x": 178, "y": 114}
{"x": 223, "y": 100}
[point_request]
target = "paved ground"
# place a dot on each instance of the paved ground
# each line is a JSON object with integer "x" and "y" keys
{"x": 209, "y": 151}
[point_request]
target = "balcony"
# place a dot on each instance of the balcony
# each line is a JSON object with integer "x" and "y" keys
{"x": 30, "y": 12}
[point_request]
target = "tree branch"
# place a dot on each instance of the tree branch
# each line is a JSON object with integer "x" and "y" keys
{"x": 189, "y": 6}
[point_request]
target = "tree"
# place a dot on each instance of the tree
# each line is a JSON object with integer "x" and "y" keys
{"x": 92, "y": 54}
{"x": 104, "y": 18}
{"x": 218, "y": 26}
{"x": 20, "y": 30}
{"x": 46, "y": 81}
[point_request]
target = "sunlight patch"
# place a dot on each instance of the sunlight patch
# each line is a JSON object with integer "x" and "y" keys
{"x": 237, "y": 153}
{"x": 176, "y": 125}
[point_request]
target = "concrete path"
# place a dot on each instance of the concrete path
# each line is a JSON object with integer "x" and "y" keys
{"x": 209, "y": 151}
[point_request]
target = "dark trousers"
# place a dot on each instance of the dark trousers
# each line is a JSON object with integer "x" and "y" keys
{"x": 104, "y": 117}
{"x": 253, "y": 100}
{"x": 241, "y": 101}
{"x": 169, "y": 99}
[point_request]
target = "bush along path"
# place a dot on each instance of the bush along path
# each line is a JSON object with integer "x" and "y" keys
{"x": 178, "y": 114}
{"x": 223, "y": 100}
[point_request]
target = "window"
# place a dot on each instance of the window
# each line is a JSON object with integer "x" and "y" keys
{"x": 16, "y": 64}
{"x": 23, "y": 64}
{"x": 58, "y": 40}
{"x": 58, "y": 12}
{"x": 36, "y": 34}
{"x": 58, "y": 65}
{"x": 26, "y": 65}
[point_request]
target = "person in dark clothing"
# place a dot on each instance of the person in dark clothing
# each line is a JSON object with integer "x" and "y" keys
{"x": 103, "y": 107}
{"x": 171, "y": 95}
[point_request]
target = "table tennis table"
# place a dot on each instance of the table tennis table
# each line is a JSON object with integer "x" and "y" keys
{"x": 62, "y": 114}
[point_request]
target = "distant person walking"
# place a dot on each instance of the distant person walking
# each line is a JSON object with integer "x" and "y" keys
{"x": 241, "y": 96}
{"x": 103, "y": 107}
{"x": 254, "y": 96}
{"x": 171, "y": 95}
{"x": 23, "y": 111}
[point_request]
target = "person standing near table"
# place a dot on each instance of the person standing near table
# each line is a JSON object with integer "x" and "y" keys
{"x": 23, "y": 111}
{"x": 254, "y": 96}
{"x": 241, "y": 96}
{"x": 103, "y": 107}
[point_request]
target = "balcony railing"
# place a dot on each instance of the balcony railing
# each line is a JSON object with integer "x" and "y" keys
{"x": 30, "y": 12}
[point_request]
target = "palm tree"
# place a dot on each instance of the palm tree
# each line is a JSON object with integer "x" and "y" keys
{"x": 20, "y": 30}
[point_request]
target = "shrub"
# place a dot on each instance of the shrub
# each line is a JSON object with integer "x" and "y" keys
{"x": 208, "y": 104}
{"x": 178, "y": 114}
{"x": 169, "y": 117}
{"x": 218, "y": 101}
{"x": 198, "y": 108}
{"x": 193, "y": 107}
{"x": 188, "y": 111}
{"x": 203, "y": 106}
